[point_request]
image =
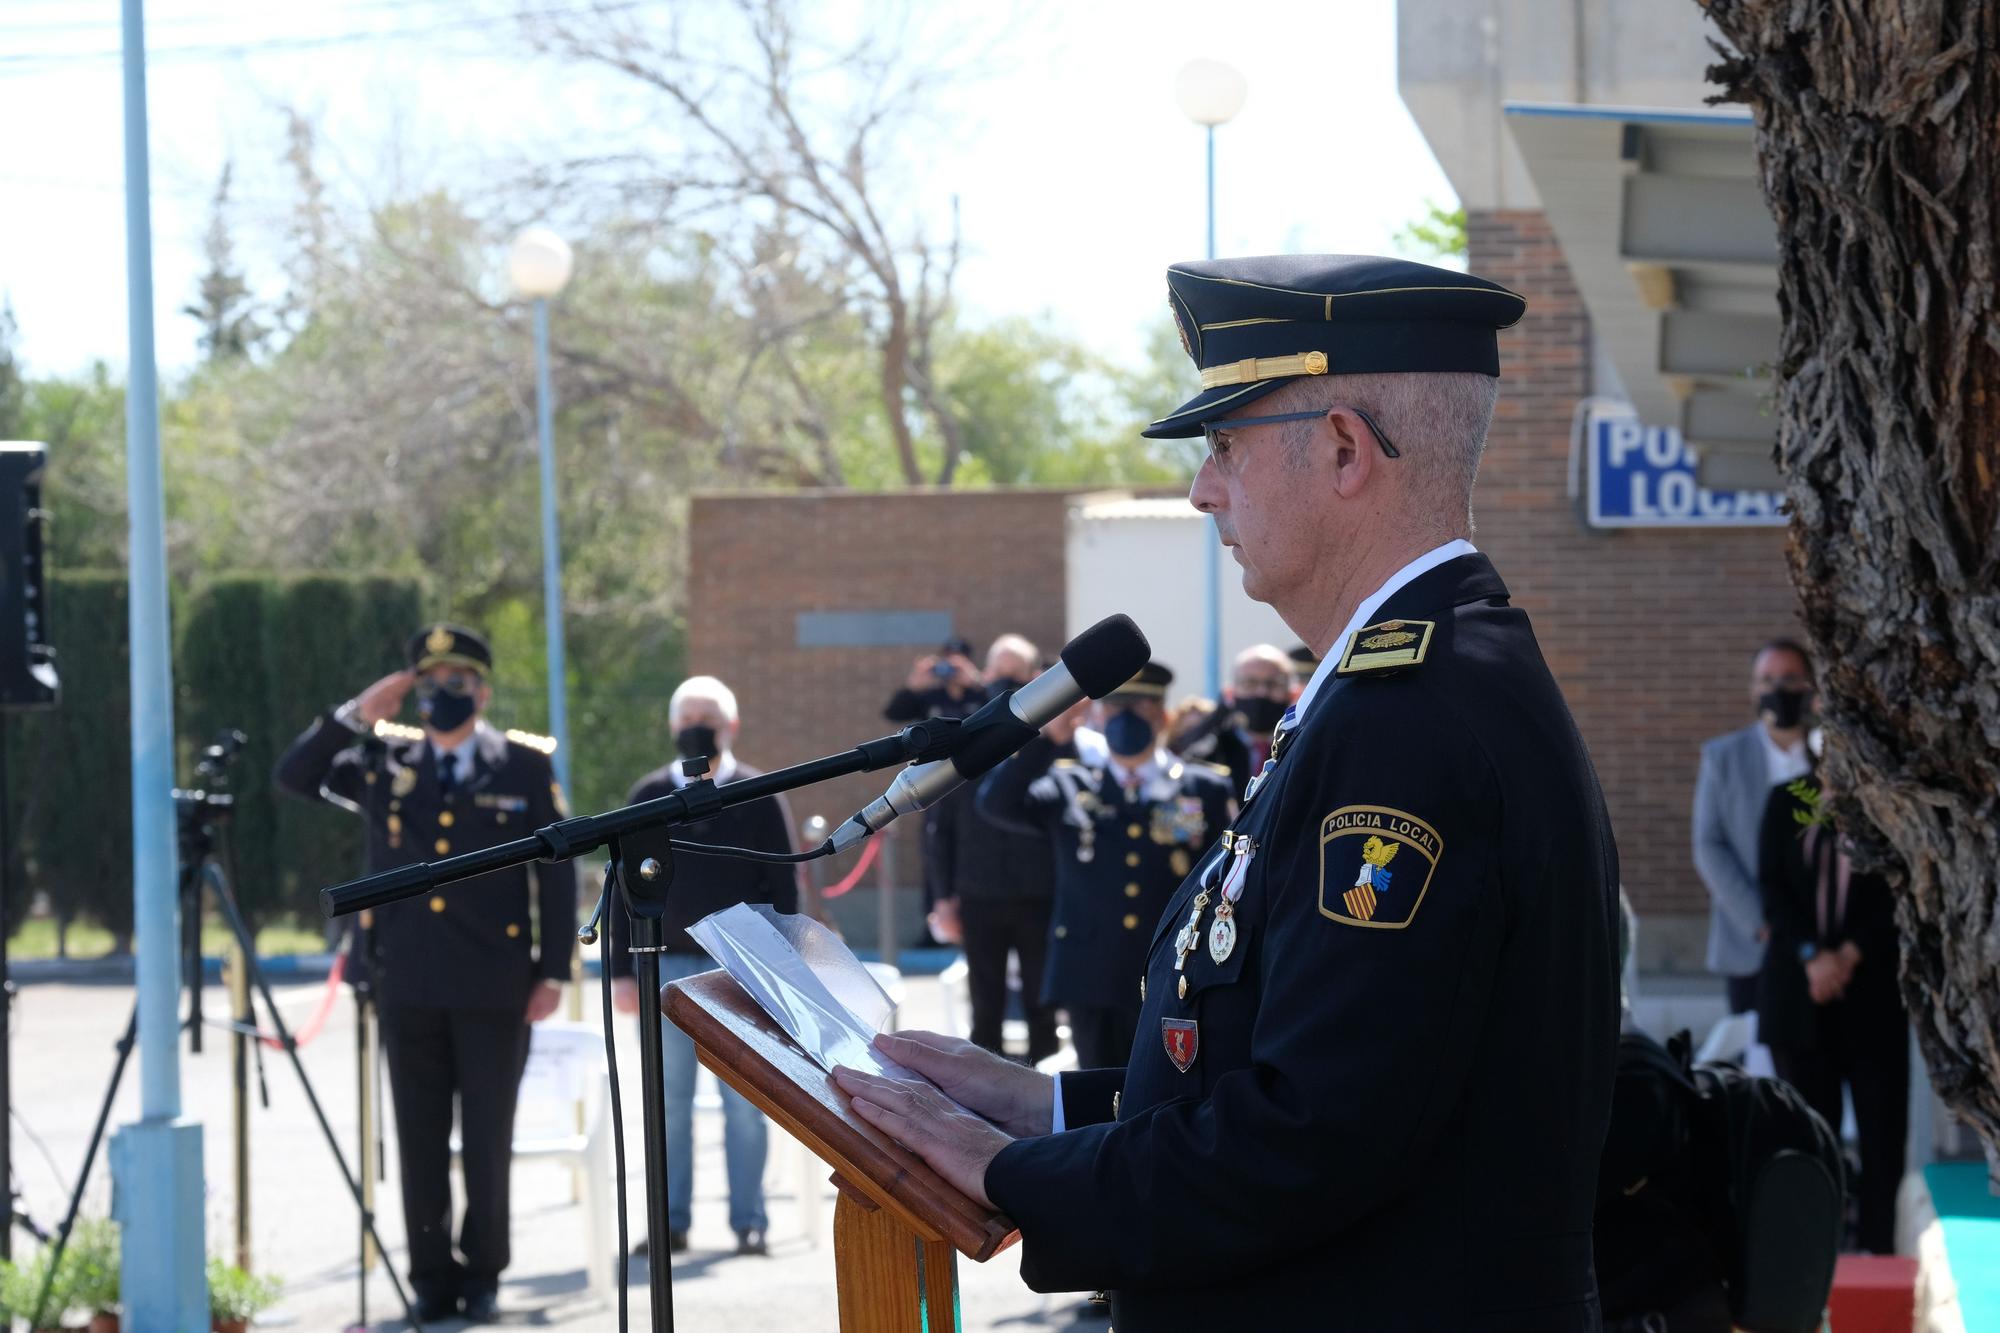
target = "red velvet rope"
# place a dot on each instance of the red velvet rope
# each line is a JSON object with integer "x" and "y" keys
{"x": 854, "y": 876}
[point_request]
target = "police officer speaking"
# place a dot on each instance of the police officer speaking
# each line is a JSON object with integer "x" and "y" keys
{"x": 1374, "y": 1067}
{"x": 459, "y": 976}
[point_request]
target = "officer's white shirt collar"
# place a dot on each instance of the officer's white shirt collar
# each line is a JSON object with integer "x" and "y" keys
{"x": 466, "y": 750}
{"x": 723, "y": 771}
{"x": 1365, "y": 612}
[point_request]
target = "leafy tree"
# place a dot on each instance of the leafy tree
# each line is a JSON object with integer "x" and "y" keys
{"x": 1439, "y": 233}
{"x": 1875, "y": 141}
{"x": 229, "y": 328}
{"x": 13, "y": 388}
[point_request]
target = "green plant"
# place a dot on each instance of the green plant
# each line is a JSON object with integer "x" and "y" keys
{"x": 21, "y": 1289}
{"x": 92, "y": 1258}
{"x": 1812, "y": 810}
{"x": 235, "y": 1294}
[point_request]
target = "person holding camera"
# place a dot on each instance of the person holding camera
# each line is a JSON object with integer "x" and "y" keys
{"x": 941, "y": 684}
{"x": 458, "y": 975}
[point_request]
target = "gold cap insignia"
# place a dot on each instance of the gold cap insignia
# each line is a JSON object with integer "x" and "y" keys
{"x": 440, "y": 640}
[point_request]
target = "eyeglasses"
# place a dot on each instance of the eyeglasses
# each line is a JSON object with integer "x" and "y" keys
{"x": 1210, "y": 430}
{"x": 460, "y": 683}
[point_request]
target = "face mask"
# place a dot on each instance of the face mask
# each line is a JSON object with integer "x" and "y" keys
{"x": 1261, "y": 715}
{"x": 442, "y": 711}
{"x": 1128, "y": 734}
{"x": 696, "y": 743}
{"x": 1784, "y": 708}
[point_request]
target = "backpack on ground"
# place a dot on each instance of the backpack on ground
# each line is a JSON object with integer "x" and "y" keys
{"x": 1719, "y": 1198}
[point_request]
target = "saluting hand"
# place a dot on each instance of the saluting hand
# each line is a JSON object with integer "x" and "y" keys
{"x": 384, "y": 699}
{"x": 957, "y": 1144}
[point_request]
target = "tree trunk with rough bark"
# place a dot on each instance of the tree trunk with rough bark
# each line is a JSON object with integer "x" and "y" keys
{"x": 1878, "y": 139}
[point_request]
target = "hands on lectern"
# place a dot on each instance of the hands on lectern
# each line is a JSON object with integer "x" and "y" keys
{"x": 981, "y": 1103}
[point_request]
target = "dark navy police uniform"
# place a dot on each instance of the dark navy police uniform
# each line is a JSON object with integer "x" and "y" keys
{"x": 1119, "y": 851}
{"x": 452, "y": 971}
{"x": 1371, "y": 1097}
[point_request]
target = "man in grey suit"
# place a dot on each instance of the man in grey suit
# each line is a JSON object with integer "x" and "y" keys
{"x": 1738, "y": 770}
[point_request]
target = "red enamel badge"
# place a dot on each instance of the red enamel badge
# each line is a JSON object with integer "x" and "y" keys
{"x": 1182, "y": 1039}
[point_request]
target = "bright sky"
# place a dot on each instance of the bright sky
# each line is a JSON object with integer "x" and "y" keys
{"x": 1078, "y": 179}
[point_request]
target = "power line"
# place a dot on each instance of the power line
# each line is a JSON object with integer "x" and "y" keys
{"x": 31, "y": 61}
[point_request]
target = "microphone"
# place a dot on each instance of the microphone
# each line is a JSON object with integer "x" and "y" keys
{"x": 1093, "y": 664}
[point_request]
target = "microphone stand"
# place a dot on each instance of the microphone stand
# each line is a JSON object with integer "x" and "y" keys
{"x": 643, "y": 865}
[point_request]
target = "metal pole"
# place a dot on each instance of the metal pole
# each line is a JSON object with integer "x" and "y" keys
{"x": 552, "y": 611}
{"x": 244, "y": 1020}
{"x": 1212, "y": 657}
{"x": 157, "y": 1161}
{"x": 6, "y": 1010}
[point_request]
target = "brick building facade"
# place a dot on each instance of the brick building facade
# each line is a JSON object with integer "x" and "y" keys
{"x": 1648, "y": 630}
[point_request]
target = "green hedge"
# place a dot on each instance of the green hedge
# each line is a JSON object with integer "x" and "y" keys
{"x": 70, "y": 767}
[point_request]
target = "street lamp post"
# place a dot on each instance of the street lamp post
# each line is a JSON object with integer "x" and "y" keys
{"x": 1210, "y": 93}
{"x": 539, "y": 265}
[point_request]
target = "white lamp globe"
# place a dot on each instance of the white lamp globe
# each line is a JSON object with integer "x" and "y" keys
{"x": 1210, "y": 92}
{"x": 539, "y": 263}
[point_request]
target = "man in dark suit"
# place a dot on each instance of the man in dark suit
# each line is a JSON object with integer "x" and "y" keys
{"x": 1374, "y": 1067}
{"x": 458, "y": 975}
{"x": 1828, "y": 1005}
{"x": 704, "y": 719}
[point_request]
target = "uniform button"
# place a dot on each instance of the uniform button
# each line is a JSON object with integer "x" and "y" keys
{"x": 513, "y": 931}
{"x": 1131, "y": 858}
{"x": 437, "y": 903}
{"x": 395, "y": 805}
{"x": 1062, "y": 932}
{"x": 443, "y": 845}
{"x": 1131, "y": 890}
{"x": 500, "y": 818}
{"x": 1131, "y": 921}
{"x": 1133, "y": 830}
{"x": 395, "y": 823}
{"x": 446, "y": 819}
{"x": 1183, "y": 986}
{"x": 369, "y": 779}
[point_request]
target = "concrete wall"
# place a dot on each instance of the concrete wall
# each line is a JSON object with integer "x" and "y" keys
{"x": 1458, "y": 60}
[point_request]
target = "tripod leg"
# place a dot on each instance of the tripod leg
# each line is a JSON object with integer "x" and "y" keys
{"x": 125, "y": 1044}
{"x": 226, "y": 900}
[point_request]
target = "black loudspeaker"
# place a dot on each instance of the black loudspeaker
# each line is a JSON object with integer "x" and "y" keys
{"x": 27, "y": 662}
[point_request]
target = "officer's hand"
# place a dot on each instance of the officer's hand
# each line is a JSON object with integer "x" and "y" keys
{"x": 384, "y": 699}
{"x": 625, "y": 994}
{"x": 958, "y": 1145}
{"x": 944, "y": 922}
{"x": 1061, "y": 729}
{"x": 542, "y": 1001}
{"x": 1014, "y": 1097}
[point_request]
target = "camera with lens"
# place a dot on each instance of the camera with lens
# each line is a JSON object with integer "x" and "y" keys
{"x": 207, "y": 802}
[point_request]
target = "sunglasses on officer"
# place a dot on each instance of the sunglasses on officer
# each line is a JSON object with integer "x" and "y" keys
{"x": 1218, "y": 433}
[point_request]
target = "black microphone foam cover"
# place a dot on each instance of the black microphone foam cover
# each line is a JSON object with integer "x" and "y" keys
{"x": 1106, "y": 655}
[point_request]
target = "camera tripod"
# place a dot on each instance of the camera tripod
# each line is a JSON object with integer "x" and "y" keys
{"x": 199, "y": 812}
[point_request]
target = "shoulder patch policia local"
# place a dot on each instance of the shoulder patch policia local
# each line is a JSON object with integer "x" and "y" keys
{"x": 1389, "y": 646}
{"x": 1375, "y": 865}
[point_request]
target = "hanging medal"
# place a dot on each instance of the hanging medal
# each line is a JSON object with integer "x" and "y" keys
{"x": 1222, "y": 932}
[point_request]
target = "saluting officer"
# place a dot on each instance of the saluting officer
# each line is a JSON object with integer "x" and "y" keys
{"x": 459, "y": 976}
{"x": 1374, "y": 1069}
{"x": 1127, "y": 819}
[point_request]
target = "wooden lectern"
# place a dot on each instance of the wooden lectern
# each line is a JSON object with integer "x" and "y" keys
{"x": 897, "y": 1222}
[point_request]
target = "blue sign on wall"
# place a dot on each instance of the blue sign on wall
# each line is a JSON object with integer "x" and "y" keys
{"x": 1644, "y": 477}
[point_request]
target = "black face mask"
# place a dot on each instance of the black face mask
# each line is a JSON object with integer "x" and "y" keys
{"x": 444, "y": 711}
{"x": 1784, "y": 709}
{"x": 1261, "y": 715}
{"x": 696, "y": 742}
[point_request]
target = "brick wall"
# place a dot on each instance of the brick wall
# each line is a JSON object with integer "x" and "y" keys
{"x": 993, "y": 559}
{"x": 1649, "y": 631}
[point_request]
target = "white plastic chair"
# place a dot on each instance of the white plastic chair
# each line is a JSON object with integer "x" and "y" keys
{"x": 566, "y": 1067}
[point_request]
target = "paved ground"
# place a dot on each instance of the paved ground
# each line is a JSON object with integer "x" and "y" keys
{"x": 304, "y": 1228}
